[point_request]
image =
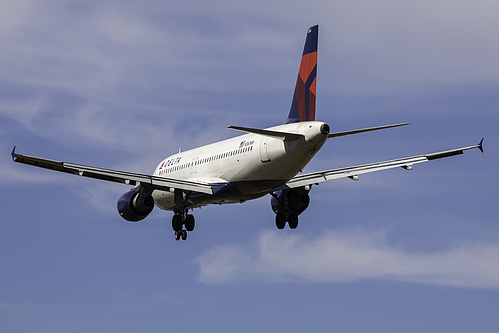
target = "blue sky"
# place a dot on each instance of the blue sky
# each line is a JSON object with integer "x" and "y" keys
{"x": 123, "y": 84}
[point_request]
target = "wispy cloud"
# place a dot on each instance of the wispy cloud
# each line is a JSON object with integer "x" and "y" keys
{"x": 99, "y": 68}
{"x": 347, "y": 257}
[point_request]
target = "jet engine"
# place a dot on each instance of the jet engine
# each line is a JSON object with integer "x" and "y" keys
{"x": 288, "y": 204}
{"x": 134, "y": 206}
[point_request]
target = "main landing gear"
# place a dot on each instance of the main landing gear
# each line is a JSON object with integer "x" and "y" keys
{"x": 179, "y": 220}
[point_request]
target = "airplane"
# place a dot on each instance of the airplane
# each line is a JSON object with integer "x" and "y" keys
{"x": 246, "y": 167}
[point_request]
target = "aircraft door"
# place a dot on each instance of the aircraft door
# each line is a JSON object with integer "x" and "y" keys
{"x": 264, "y": 156}
{"x": 194, "y": 168}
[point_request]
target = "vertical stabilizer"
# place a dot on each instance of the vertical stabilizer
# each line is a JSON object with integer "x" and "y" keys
{"x": 303, "y": 104}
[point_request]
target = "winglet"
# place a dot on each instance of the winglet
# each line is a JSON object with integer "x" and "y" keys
{"x": 13, "y": 154}
{"x": 480, "y": 145}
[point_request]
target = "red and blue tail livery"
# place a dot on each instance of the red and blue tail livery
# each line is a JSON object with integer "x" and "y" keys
{"x": 303, "y": 105}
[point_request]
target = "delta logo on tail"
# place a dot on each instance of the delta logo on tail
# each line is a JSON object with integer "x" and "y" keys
{"x": 303, "y": 105}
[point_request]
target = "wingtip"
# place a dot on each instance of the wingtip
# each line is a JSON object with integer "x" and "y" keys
{"x": 13, "y": 154}
{"x": 480, "y": 145}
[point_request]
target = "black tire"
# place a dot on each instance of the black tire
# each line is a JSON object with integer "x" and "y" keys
{"x": 280, "y": 220}
{"x": 189, "y": 222}
{"x": 184, "y": 235}
{"x": 293, "y": 220}
{"x": 177, "y": 222}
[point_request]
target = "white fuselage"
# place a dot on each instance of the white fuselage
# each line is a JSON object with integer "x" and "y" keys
{"x": 253, "y": 164}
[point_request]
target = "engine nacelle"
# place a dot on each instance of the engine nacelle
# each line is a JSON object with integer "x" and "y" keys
{"x": 134, "y": 206}
{"x": 295, "y": 200}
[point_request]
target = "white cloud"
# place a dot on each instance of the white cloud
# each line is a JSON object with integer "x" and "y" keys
{"x": 147, "y": 79}
{"x": 389, "y": 46}
{"x": 347, "y": 257}
{"x": 120, "y": 61}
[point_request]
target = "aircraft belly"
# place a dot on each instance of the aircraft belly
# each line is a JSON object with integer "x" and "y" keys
{"x": 237, "y": 193}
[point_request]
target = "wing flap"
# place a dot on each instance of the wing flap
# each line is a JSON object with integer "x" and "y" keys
{"x": 116, "y": 176}
{"x": 40, "y": 162}
{"x": 353, "y": 172}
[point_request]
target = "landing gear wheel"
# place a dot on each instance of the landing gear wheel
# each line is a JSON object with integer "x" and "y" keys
{"x": 293, "y": 220}
{"x": 280, "y": 220}
{"x": 181, "y": 218}
{"x": 189, "y": 222}
{"x": 181, "y": 234}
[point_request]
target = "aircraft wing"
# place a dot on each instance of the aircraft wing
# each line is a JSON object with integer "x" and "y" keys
{"x": 355, "y": 171}
{"x": 116, "y": 176}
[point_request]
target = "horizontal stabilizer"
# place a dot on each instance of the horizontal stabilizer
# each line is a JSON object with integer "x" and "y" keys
{"x": 273, "y": 134}
{"x": 337, "y": 134}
